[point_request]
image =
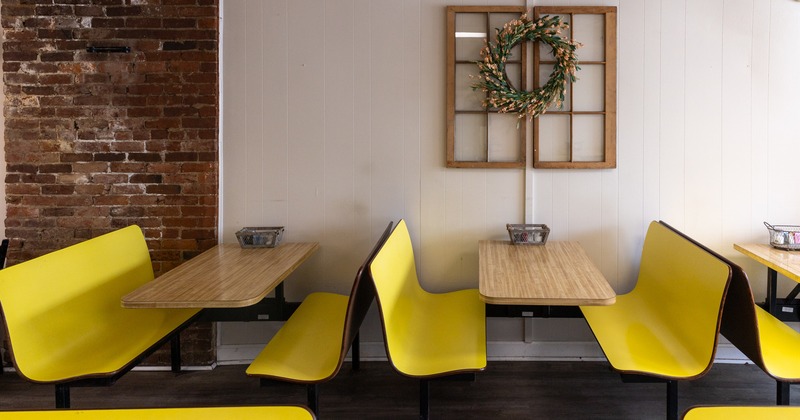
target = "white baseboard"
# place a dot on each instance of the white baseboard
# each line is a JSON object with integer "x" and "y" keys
{"x": 496, "y": 350}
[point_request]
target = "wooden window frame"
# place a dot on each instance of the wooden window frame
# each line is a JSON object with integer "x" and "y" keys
{"x": 610, "y": 90}
{"x": 451, "y": 93}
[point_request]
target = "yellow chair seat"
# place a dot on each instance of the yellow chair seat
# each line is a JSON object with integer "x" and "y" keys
{"x": 668, "y": 325}
{"x": 742, "y": 413}
{"x": 307, "y": 348}
{"x": 426, "y": 334}
{"x": 311, "y": 346}
{"x": 99, "y": 349}
{"x": 780, "y": 347}
{"x": 635, "y": 341}
{"x": 445, "y": 333}
{"x": 195, "y": 413}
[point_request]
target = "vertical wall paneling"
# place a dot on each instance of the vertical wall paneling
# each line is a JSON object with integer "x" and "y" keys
{"x": 630, "y": 144}
{"x": 255, "y": 183}
{"x": 737, "y": 123}
{"x": 334, "y": 124}
{"x": 783, "y": 125}
{"x": 651, "y": 127}
{"x": 234, "y": 114}
{"x": 673, "y": 112}
{"x": 784, "y": 90}
{"x": 758, "y": 112}
{"x": 703, "y": 119}
{"x": 343, "y": 234}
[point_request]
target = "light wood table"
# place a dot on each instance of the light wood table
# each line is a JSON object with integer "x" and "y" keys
{"x": 226, "y": 276}
{"x": 777, "y": 261}
{"x": 557, "y": 273}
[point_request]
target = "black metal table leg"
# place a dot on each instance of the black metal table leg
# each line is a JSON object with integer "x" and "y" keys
{"x": 772, "y": 291}
{"x": 424, "y": 399}
{"x": 62, "y": 396}
{"x": 175, "y": 352}
{"x": 783, "y": 393}
{"x": 356, "y": 352}
{"x": 672, "y": 400}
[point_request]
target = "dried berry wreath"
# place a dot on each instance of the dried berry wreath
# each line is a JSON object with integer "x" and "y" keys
{"x": 493, "y": 80}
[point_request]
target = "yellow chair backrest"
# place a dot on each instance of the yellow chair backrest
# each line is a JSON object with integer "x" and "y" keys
{"x": 687, "y": 280}
{"x": 398, "y": 291}
{"x": 60, "y": 290}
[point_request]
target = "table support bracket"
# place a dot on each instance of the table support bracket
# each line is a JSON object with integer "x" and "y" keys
{"x": 531, "y": 311}
{"x": 275, "y": 308}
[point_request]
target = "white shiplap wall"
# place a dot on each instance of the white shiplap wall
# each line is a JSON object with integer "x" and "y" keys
{"x": 334, "y": 124}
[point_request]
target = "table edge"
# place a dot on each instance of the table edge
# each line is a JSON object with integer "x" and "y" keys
{"x": 214, "y": 304}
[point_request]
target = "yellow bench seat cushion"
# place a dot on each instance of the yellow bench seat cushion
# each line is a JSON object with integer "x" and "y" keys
{"x": 194, "y": 413}
{"x": 307, "y": 348}
{"x": 780, "y": 347}
{"x": 444, "y": 333}
{"x": 109, "y": 345}
{"x": 625, "y": 331}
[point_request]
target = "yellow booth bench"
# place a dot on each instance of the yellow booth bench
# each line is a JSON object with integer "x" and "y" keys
{"x": 426, "y": 335}
{"x": 196, "y": 413}
{"x": 64, "y": 319}
{"x": 667, "y": 327}
{"x": 741, "y": 413}
{"x": 311, "y": 346}
{"x": 764, "y": 339}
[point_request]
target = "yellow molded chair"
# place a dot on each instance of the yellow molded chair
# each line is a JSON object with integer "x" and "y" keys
{"x": 764, "y": 339}
{"x": 742, "y": 413}
{"x": 194, "y": 413}
{"x": 64, "y": 319}
{"x": 311, "y": 346}
{"x": 667, "y": 327}
{"x": 767, "y": 341}
{"x": 426, "y": 335}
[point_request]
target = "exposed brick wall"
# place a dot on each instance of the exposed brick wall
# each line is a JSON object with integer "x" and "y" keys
{"x": 98, "y": 141}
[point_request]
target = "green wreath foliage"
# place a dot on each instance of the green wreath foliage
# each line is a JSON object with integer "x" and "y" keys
{"x": 493, "y": 80}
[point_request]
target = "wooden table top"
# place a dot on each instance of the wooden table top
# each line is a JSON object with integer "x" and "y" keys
{"x": 557, "y": 273}
{"x": 226, "y": 276}
{"x": 782, "y": 261}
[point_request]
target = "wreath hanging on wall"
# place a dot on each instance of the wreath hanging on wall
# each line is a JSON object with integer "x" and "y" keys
{"x": 493, "y": 80}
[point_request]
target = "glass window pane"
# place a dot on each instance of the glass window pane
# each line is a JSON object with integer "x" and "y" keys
{"x": 554, "y": 138}
{"x": 496, "y": 21}
{"x": 545, "y": 53}
{"x": 504, "y": 138}
{"x": 470, "y": 138}
{"x": 467, "y": 99}
{"x": 588, "y": 132}
{"x": 589, "y": 90}
{"x": 514, "y": 75}
{"x": 544, "y": 76}
{"x": 589, "y": 30}
{"x": 470, "y": 36}
{"x": 469, "y": 49}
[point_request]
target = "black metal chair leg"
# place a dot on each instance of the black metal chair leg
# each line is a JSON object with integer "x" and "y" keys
{"x": 313, "y": 398}
{"x": 356, "y": 352}
{"x": 62, "y": 396}
{"x": 424, "y": 399}
{"x": 175, "y": 352}
{"x": 783, "y": 393}
{"x": 672, "y": 400}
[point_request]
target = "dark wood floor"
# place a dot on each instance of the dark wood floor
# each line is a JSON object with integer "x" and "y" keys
{"x": 506, "y": 390}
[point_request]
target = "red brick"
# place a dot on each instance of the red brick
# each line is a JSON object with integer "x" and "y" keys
{"x": 99, "y": 141}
